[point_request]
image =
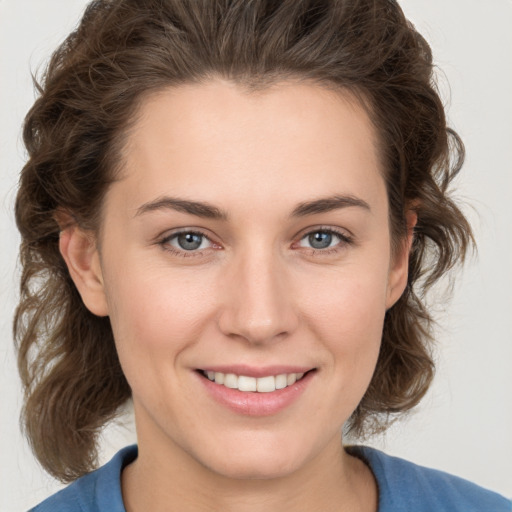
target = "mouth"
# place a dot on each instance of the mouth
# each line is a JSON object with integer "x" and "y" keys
{"x": 256, "y": 392}
{"x": 245, "y": 383}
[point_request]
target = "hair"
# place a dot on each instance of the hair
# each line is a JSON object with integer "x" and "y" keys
{"x": 123, "y": 50}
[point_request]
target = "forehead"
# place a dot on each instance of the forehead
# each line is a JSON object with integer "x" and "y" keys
{"x": 218, "y": 107}
{"x": 216, "y": 140}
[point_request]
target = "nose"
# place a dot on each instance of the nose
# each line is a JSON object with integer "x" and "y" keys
{"x": 257, "y": 305}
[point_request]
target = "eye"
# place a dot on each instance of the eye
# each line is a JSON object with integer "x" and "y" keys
{"x": 184, "y": 242}
{"x": 323, "y": 239}
{"x": 189, "y": 241}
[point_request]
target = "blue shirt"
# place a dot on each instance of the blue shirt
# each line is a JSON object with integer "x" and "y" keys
{"x": 403, "y": 487}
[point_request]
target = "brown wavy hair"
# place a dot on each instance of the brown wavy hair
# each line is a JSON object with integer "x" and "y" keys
{"x": 123, "y": 50}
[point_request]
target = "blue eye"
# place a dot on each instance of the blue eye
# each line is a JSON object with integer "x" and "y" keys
{"x": 195, "y": 243}
{"x": 320, "y": 240}
{"x": 187, "y": 241}
{"x": 323, "y": 239}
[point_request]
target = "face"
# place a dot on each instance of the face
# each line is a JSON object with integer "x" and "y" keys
{"x": 246, "y": 245}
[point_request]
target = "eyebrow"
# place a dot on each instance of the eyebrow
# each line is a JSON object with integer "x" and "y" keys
{"x": 199, "y": 209}
{"x": 208, "y": 211}
{"x": 328, "y": 204}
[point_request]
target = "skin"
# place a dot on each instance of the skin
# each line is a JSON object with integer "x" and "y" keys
{"x": 255, "y": 292}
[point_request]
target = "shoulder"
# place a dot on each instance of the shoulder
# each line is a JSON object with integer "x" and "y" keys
{"x": 405, "y": 486}
{"x": 99, "y": 491}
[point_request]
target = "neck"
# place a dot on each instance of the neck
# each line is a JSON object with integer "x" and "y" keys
{"x": 164, "y": 477}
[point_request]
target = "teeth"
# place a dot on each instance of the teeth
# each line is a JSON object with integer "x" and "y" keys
{"x": 281, "y": 381}
{"x": 251, "y": 384}
{"x": 266, "y": 384}
{"x": 230, "y": 380}
{"x": 247, "y": 383}
{"x": 291, "y": 378}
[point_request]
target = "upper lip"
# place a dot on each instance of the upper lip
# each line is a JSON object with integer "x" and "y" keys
{"x": 256, "y": 371}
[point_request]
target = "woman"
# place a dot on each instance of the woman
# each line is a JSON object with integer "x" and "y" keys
{"x": 228, "y": 215}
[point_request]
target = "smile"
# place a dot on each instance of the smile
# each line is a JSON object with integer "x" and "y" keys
{"x": 253, "y": 391}
{"x": 244, "y": 383}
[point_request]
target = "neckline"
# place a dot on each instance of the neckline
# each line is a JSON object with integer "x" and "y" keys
{"x": 369, "y": 456}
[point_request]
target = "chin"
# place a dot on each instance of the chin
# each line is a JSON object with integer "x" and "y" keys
{"x": 264, "y": 469}
{"x": 257, "y": 460}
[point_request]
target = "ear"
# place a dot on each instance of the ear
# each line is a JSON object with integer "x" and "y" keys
{"x": 398, "y": 272}
{"x": 80, "y": 252}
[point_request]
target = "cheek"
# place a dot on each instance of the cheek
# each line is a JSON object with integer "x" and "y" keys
{"x": 346, "y": 313}
{"x": 155, "y": 314}
{"x": 351, "y": 304}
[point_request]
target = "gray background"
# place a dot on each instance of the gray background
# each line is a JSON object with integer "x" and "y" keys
{"x": 464, "y": 425}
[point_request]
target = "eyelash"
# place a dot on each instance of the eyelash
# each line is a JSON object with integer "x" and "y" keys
{"x": 344, "y": 241}
{"x": 164, "y": 243}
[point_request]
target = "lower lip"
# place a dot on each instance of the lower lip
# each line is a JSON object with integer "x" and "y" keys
{"x": 253, "y": 403}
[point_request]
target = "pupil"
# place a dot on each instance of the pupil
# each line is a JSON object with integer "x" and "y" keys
{"x": 320, "y": 240}
{"x": 189, "y": 241}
